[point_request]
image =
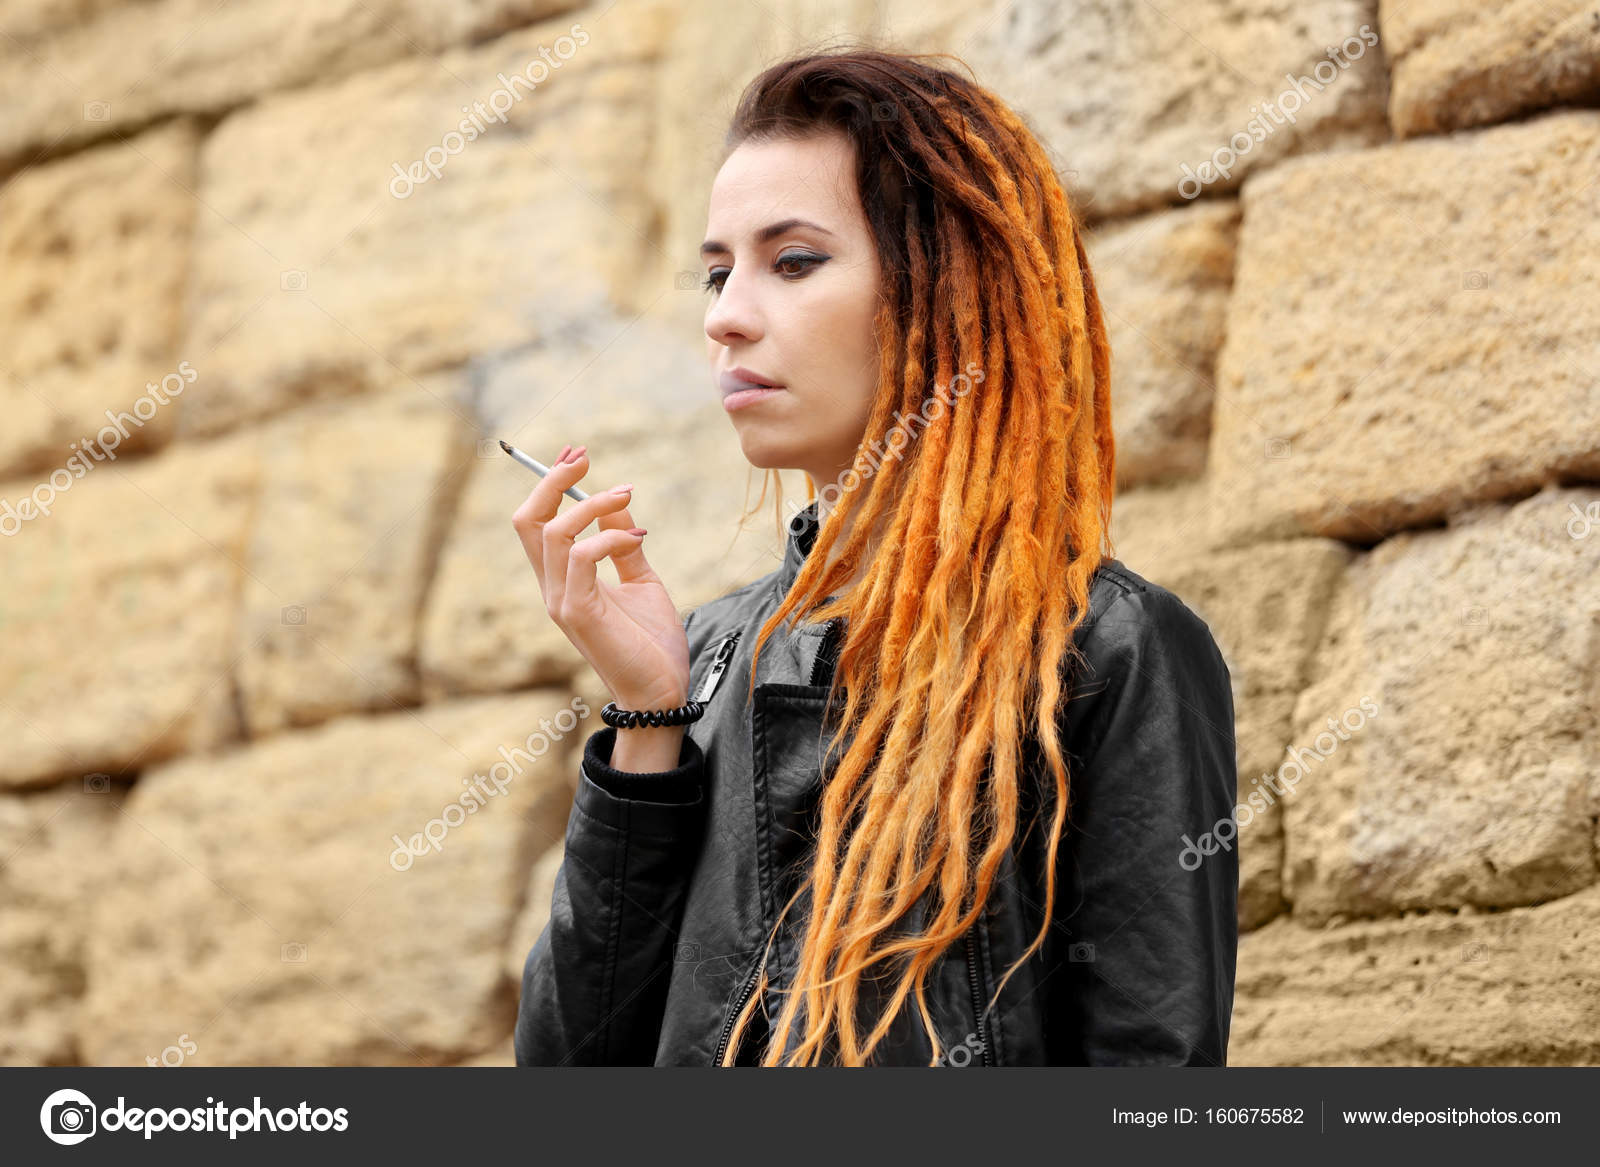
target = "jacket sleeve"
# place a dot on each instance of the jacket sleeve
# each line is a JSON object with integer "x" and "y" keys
{"x": 595, "y": 983}
{"x": 1147, "y": 926}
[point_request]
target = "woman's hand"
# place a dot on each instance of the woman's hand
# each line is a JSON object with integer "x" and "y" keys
{"x": 630, "y": 633}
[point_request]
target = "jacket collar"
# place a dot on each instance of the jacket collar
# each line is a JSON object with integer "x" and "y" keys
{"x": 803, "y": 529}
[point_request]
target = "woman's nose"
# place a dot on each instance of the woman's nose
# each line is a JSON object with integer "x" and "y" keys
{"x": 733, "y": 313}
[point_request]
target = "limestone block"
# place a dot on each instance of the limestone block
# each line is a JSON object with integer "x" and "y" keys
{"x": 75, "y": 72}
{"x": 1163, "y": 281}
{"x": 1511, "y": 988}
{"x": 1410, "y": 331}
{"x": 1471, "y": 778}
{"x": 1457, "y": 64}
{"x": 93, "y": 250}
{"x": 117, "y": 622}
{"x": 264, "y": 907}
{"x": 53, "y": 848}
{"x": 1143, "y": 107}
{"x": 355, "y": 500}
{"x": 326, "y": 270}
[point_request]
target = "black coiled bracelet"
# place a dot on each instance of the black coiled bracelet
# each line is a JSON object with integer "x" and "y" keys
{"x": 651, "y": 718}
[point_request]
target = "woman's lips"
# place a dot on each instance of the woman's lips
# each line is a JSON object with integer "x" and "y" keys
{"x": 741, "y": 387}
{"x": 749, "y": 395}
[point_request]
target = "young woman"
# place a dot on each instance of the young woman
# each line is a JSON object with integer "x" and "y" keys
{"x": 938, "y": 801}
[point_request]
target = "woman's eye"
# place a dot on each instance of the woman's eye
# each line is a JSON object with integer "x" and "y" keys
{"x": 797, "y": 257}
{"x": 714, "y": 281}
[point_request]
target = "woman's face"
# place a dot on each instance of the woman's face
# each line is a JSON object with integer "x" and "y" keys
{"x": 794, "y": 275}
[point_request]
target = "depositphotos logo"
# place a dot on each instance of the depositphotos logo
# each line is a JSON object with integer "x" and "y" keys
{"x": 69, "y": 1116}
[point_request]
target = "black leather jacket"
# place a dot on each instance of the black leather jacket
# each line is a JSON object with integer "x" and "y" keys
{"x": 670, "y": 882}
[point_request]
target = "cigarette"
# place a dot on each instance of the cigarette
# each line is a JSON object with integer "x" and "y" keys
{"x": 541, "y": 470}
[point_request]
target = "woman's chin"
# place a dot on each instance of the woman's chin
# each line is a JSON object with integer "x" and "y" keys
{"x": 764, "y": 452}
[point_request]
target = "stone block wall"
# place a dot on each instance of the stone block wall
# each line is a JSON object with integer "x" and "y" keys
{"x": 1348, "y": 265}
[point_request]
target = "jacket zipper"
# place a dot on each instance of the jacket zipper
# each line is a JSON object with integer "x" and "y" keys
{"x": 977, "y": 996}
{"x": 817, "y": 666}
{"x": 719, "y": 665}
{"x": 972, "y": 980}
{"x": 733, "y": 1014}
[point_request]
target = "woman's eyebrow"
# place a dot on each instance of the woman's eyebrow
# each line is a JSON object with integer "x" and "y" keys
{"x": 712, "y": 246}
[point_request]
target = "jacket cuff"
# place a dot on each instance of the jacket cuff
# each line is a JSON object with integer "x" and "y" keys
{"x": 678, "y": 787}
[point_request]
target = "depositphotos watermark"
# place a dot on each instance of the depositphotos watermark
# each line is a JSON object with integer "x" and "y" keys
{"x": 1277, "y": 785}
{"x": 102, "y": 448}
{"x": 70, "y": 1116}
{"x": 186, "y": 1048}
{"x": 1288, "y": 103}
{"x": 481, "y": 789}
{"x": 406, "y": 179}
{"x": 960, "y": 1056}
{"x": 1582, "y": 523}
{"x": 897, "y": 438}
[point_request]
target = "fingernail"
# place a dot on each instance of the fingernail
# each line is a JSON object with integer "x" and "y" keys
{"x": 637, "y": 531}
{"x": 562, "y": 457}
{"x": 623, "y": 489}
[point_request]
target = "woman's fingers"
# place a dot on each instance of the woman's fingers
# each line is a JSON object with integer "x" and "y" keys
{"x": 615, "y": 542}
{"x": 567, "y": 567}
{"x": 560, "y": 535}
{"x": 584, "y": 598}
{"x": 544, "y": 501}
{"x": 631, "y": 635}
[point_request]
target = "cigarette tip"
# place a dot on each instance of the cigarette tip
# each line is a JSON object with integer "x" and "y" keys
{"x": 504, "y": 446}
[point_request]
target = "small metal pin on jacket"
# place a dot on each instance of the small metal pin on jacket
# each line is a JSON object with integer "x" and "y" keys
{"x": 719, "y": 665}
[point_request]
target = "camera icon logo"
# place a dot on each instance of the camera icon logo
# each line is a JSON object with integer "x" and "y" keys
{"x": 292, "y": 281}
{"x": 96, "y": 111}
{"x": 1081, "y": 952}
{"x": 294, "y": 615}
{"x": 686, "y": 281}
{"x": 67, "y": 1117}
